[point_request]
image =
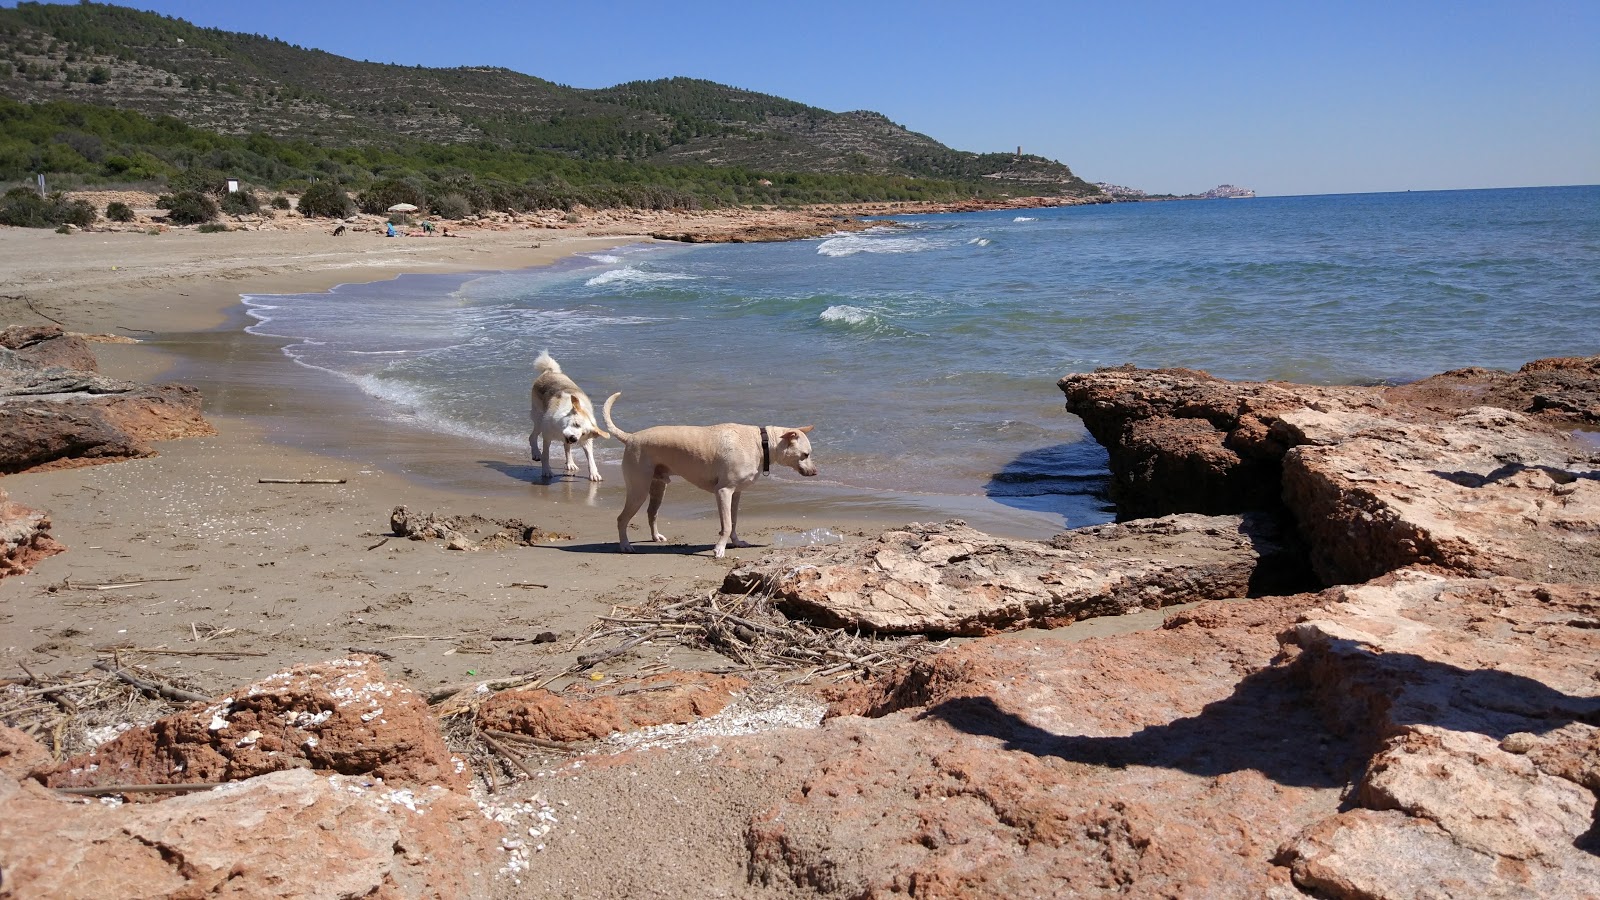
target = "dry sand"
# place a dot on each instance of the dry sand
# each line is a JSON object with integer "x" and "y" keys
{"x": 236, "y": 579}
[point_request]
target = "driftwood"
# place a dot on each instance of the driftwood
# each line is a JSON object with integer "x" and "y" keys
{"x": 300, "y": 481}
{"x": 164, "y": 690}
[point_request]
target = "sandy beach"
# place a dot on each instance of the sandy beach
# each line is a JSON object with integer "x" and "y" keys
{"x": 226, "y": 579}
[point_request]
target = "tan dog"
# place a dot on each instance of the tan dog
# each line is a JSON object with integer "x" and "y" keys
{"x": 561, "y": 410}
{"x": 722, "y": 459}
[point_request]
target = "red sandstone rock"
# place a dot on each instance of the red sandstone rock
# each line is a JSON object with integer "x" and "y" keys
{"x": 53, "y": 418}
{"x": 578, "y": 714}
{"x": 341, "y": 716}
{"x": 24, "y": 538}
{"x": 49, "y": 346}
{"x": 289, "y": 834}
{"x": 20, "y": 754}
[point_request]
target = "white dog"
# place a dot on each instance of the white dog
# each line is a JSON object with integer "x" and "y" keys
{"x": 722, "y": 459}
{"x": 561, "y": 410}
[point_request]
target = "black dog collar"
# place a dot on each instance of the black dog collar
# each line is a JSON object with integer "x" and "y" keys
{"x": 766, "y": 453}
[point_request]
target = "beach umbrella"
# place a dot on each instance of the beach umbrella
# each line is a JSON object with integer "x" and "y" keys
{"x": 402, "y": 207}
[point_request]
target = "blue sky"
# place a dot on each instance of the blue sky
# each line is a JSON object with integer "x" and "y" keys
{"x": 1285, "y": 97}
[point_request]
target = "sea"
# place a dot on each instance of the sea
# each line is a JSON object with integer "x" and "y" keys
{"x": 926, "y": 350}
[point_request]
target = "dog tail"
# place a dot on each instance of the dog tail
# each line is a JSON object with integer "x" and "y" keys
{"x": 616, "y": 432}
{"x": 546, "y": 364}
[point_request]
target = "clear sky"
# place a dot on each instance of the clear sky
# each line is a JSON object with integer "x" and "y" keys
{"x": 1286, "y": 97}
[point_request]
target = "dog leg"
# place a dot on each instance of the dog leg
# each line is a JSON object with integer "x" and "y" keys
{"x": 544, "y": 461}
{"x": 588, "y": 452}
{"x": 533, "y": 444}
{"x": 572, "y": 462}
{"x": 658, "y": 490}
{"x": 630, "y": 506}
{"x": 726, "y": 498}
{"x": 733, "y": 522}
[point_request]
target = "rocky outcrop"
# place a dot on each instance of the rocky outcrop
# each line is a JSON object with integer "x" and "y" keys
{"x": 24, "y": 538}
{"x": 767, "y": 232}
{"x": 1376, "y": 478}
{"x": 54, "y": 417}
{"x": 951, "y": 579}
{"x": 343, "y": 716}
{"x": 581, "y": 715}
{"x": 47, "y": 346}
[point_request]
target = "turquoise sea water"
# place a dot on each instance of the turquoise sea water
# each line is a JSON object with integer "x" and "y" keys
{"x": 926, "y": 353}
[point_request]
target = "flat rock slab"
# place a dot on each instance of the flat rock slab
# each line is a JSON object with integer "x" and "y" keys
{"x": 952, "y": 579}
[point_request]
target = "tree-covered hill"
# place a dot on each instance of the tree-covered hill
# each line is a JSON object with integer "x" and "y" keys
{"x": 294, "y": 112}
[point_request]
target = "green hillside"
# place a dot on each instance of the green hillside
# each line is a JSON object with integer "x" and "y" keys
{"x": 174, "y": 98}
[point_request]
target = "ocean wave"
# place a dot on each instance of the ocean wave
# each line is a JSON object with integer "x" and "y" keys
{"x": 848, "y": 315}
{"x": 628, "y": 275}
{"x": 980, "y": 241}
{"x": 851, "y": 244}
{"x": 607, "y": 258}
{"x": 1026, "y": 219}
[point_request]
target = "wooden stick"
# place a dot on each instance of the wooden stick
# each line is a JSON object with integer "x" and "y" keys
{"x": 591, "y": 659}
{"x": 165, "y": 652}
{"x": 300, "y": 481}
{"x": 543, "y": 743}
{"x": 124, "y": 584}
{"x": 167, "y": 691}
{"x": 526, "y": 584}
{"x": 378, "y": 544}
{"x": 141, "y": 788}
{"x": 505, "y": 751}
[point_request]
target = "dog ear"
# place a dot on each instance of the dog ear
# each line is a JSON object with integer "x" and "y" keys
{"x": 599, "y": 433}
{"x": 790, "y": 436}
{"x": 805, "y": 429}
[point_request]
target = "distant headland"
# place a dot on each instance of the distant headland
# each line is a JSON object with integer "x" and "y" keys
{"x": 1120, "y": 194}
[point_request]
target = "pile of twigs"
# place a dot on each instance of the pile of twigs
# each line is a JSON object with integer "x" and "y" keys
{"x": 764, "y": 643}
{"x": 62, "y": 711}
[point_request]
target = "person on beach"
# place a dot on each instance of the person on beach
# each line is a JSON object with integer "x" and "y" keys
{"x": 390, "y": 227}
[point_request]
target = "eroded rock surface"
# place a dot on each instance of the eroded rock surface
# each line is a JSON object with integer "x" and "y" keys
{"x": 1480, "y": 700}
{"x": 951, "y": 579}
{"x": 343, "y": 716}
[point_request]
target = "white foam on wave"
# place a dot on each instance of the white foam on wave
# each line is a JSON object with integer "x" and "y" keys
{"x": 981, "y": 242}
{"x": 848, "y": 315}
{"x": 851, "y": 244}
{"x": 1026, "y": 219}
{"x": 628, "y": 275}
{"x": 607, "y": 258}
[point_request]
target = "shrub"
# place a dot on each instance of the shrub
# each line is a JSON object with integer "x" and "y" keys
{"x": 117, "y": 211}
{"x": 212, "y": 228}
{"x": 280, "y": 202}
{"x": 326, "y": 198}
{"x": 241, "y": 203}
{"x": 377, "y": 199}
{"x": 24, "y": 207}
{"x": 452, "y": 206}
{"x": 63, "y": 229}
{"x": 190, "y": 208}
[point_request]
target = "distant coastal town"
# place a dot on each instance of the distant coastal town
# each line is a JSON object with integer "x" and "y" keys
{"x": 1220, "y": 192}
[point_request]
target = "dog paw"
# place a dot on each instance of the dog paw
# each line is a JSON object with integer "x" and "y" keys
{"x": 624, "y": 548}
{"x": 596, "y": 477}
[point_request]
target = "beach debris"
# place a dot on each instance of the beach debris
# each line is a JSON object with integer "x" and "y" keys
{"x": 750, "y": 631}
{"x": 300, "y": 481}
{"x": 469, "y": 532}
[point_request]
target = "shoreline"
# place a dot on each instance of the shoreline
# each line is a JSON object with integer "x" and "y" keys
{"x": 287, "y": 574}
